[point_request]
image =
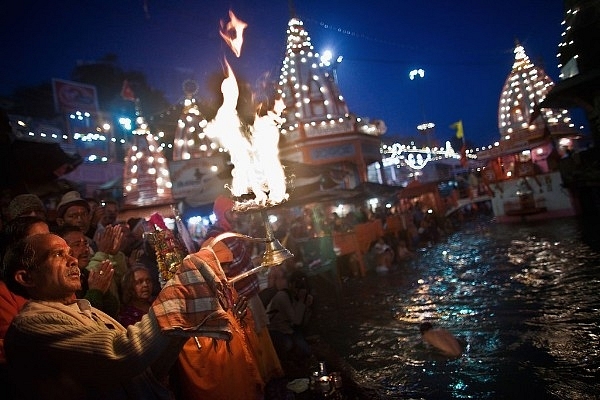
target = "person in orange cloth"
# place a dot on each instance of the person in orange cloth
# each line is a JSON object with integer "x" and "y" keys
{"x": 218, "y": 369}
{"x": 227, "y": 220}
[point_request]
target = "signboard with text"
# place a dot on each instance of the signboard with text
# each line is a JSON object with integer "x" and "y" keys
{"x": 74, "y": 96}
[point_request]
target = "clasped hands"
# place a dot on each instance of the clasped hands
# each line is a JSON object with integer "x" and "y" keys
{"x": 109, "y": 240}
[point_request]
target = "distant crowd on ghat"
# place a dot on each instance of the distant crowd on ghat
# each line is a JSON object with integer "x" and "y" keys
{"x": 93, "y": 306}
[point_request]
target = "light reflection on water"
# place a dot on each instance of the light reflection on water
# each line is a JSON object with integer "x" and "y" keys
{"x": 523, "y": 298}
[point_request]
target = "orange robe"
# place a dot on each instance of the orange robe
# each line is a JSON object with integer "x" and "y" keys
{"x": 266, "y": 356}
{"x": 217, "y": 369}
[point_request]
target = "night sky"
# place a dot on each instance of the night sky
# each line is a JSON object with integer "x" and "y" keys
{"x": 465, "y": 47}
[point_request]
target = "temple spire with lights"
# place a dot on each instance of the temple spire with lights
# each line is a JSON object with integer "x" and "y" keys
{"x": 525, "y": 87}
{"x": 318, "y": 127}
{"x": 146, "y": 179}
{"x": 190, "y": 139}
{"x": 308, "y": 88}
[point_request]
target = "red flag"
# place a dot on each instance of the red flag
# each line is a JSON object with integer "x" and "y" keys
{"x": 127, "y": 91}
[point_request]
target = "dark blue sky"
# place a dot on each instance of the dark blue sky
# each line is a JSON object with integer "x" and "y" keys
{"x": 465, "y": 48}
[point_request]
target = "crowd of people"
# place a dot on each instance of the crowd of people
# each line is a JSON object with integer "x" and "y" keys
{"x": 388, "y": 251}
{"x": 80, "y": 290}
{"x": 84, "y": 313}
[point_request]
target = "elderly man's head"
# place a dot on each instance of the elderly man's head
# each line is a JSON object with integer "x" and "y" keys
{"x": 43, "y": 268}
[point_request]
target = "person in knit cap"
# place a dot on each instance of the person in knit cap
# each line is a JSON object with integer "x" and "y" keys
{"x": 24, "y": 205}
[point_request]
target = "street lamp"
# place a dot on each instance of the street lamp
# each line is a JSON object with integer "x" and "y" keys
{"x": 326, "y": 59}
{"x": 425, "y": 127}
{"x": 416, "y": 72}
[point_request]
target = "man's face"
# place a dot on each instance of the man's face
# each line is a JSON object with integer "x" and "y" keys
{"x": 56, "y": 276}
{"x": 80, "y": 247}
{"x": 93, "y": 205}
{"x": 77, "y": 216}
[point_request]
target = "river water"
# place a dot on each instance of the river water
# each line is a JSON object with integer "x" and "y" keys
{"x": 524, "y": 299}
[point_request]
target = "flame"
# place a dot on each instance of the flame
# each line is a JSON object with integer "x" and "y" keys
{"x": 256, "y": 166}
{"x": 265, "y": 142}
{"x": 227, "y": 128}
{"x": 232, "y": 33}
{"x": 279, "y": 106}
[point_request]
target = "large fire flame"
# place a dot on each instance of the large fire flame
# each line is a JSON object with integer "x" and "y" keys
{"x": 232, "y": 33}
{"x": 257, "y": 169}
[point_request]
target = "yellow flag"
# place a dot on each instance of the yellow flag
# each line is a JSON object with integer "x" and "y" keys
{"x": 459, "y": 129}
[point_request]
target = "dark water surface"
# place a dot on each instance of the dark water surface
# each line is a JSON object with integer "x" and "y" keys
{"x": 524, "y": 298}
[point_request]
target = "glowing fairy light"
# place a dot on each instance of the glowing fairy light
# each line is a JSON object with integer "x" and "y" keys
{"x": 190, "y": 139}
{"x": 146, "y": 178}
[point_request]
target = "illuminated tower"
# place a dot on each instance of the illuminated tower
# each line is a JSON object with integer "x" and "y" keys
{"x": 525, "y": 87}
{"x": 190, "y": 139}
{"x": 318, "y": 128}
{"x": 146, "y": 179}
{"x": 579, "y": 62}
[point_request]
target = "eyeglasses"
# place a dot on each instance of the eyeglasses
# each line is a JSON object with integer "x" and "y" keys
{"x": 79, "y": 243}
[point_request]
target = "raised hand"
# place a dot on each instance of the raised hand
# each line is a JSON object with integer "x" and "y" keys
{"x": 110, "y": 239}
{"x": 101, "y": 278}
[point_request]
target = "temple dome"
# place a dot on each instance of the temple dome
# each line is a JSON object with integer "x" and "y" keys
{"x": 318, "y": 128}
{"x": 525, "y": 87}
